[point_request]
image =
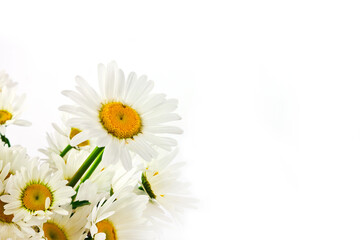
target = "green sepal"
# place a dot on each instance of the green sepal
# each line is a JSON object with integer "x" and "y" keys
{"x": 5, "y": 140}
{"x": 146, "y": 186}
{"x": 77, "y": 204}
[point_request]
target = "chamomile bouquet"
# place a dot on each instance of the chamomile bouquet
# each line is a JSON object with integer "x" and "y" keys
{"x": 108, "y": 171}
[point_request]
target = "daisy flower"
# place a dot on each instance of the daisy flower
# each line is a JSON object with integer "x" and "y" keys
{"x": 9, "y": 228}
{"x": 7, "y": 156}
{"x": 125, "y": 117}
{"x": 11, "y": 107}
{"x": 63, "y": 227}
{"x": 160, "y": 181}
{"x": 59, "y": 140}
{"x": 33, "y": 194}
{"x": 119, "y": 217}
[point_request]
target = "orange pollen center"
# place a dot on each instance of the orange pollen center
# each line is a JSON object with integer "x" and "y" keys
{"x": 34, "y": 197}
{"x": 53, "y": 232}
{"x": 4, "y": 116}
{"x": 3, "y": 216}
{"x": 73, "y": 133}
{"x": 105, "y": 226}
{"x": 120, "y": 120}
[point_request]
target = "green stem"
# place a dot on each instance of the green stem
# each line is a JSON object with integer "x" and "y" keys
{"x": 93, "y": 167}
{"x": 85, "y": 166}
{"x": 66, "y": 150}
{"x": 5, "y": 140}
{"x": 89, "y": 172}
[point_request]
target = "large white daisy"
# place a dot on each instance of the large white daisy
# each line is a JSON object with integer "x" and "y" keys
{"x": 124, "y": 118}
{"x": 34, "y": 193}
{"x": 11, "y": 107}
{"x": 160, "y": 180}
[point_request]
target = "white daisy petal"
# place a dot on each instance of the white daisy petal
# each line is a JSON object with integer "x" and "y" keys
{"x": 79, "y": 138}
{"x": 100, "y": 236}
{"x": 109, "y": 154}
{"x": 125, "y": 157}
{"x": 110, "y": 79}
{"x": 87, "y": 88}
{"x": 129, "y": 85}
{"x": 20, "y": 122}
{"x": 102, "y": 78}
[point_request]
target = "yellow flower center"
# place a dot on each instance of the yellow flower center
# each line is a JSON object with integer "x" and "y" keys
{"x": 120, "y": 120}
{"x": 73, "y": 133}
{"x": 3, "y": 216}
{"x": 53, "y": 232}
{"x": 34, "y": 197}
{"x": 4, "y": 116}
{"x": 105, "y": 226}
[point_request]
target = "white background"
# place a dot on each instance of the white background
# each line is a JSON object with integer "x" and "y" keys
{"x": 268, "y": 91}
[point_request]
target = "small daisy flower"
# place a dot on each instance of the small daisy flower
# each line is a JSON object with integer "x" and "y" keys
{"x": 34, "y": 194}
{"x": 125, "y": 117}
{"x": 11, "y": 107}
{"x": 64, "y": 227}
{"x": 119, "y": 217}
{"x": 6, "y": 81}
{"x": 60, "y": 139}
{"x": 160, "y": 181}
